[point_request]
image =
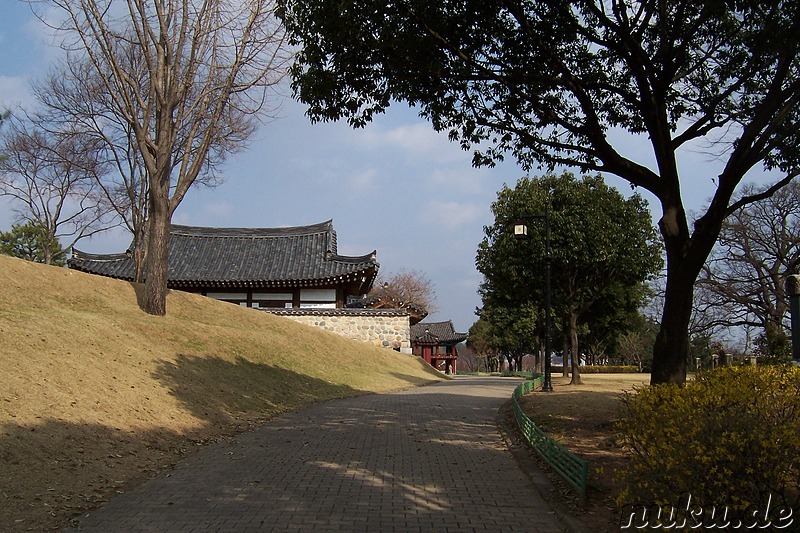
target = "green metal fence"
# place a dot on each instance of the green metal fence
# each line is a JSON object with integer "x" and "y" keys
{"x": 569, "y": 466}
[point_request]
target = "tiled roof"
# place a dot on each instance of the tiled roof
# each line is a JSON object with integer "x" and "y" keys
{"x": 246, "y": 257}
{"x": 443, "y": 332}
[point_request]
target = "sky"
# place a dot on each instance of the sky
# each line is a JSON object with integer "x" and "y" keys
{"x": 395, "y": 186}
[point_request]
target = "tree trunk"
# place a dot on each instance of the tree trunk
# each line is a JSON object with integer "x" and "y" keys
{"x": 139, "y": 252}
{"x": 50, "y": 241}
{"x": 685, "y": 259}
{"x": 671, "y": 349}
{"x": 573, "y": 349}
{"x": 157, "y": 259}
{"x": 564, "y": 355}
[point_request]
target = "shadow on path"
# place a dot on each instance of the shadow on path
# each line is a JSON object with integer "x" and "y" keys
{"x": 427, "y": 459}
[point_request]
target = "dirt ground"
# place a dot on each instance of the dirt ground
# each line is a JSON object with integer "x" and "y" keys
{"x": 581, "y": 417}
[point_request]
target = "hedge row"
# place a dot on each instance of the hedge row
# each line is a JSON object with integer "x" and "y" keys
{"x": 598, "y": 369}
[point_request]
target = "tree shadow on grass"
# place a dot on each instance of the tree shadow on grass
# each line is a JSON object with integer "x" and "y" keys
{"x": 56, "y": 471}
{"x": 221, "y": 392}
{"x": 138, "y": 290}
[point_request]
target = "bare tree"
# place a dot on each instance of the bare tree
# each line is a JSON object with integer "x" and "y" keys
{"x": 743, "y": 282}
{"x": 206, "y": 72}
{"x": 634, "y": 347}
{"x": 468, "y": 359}
{"x": 75, "y": 94}
{"x": 407, "y": 289}
{"x": 51, "y": 178}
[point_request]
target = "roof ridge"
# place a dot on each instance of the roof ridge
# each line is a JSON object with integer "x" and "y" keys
{"x": 352, "y": 258}
{"x": 285, "y": 231}
{"x": 78, "y": 254}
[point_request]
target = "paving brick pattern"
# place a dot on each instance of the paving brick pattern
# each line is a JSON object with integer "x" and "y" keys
{"x": 428, "y": 459}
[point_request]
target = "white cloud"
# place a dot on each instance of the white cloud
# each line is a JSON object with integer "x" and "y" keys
{"x": 113, "y": 241}
{"x": 462, "y": 178}
{"x": 7, "y": 214}
{"x": 15, "y": 92}
{"x": 204, "y": 213}
{"x": 218, "y": 209}
{"x": 182, "y": 218}
{"x": 469, "y": 282}
{"x": 414, "y": 141}
{"x": 452, "y": 215}
{"x": 362, "y": 181}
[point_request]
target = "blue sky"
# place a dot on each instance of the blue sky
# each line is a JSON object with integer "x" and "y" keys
{"x": 395, "y": 186}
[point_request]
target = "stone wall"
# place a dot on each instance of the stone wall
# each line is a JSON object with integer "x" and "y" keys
{"x": 388, "y": 328}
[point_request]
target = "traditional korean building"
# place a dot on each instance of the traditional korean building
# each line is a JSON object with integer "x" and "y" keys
{"x": 292, "y": 267}
{"x": 436, "y": 343}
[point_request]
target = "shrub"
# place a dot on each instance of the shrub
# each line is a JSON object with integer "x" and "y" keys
{"x": 730, "y": 439}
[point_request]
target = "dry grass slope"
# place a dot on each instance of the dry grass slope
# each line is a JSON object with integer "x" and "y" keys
{"x": 96, "y": 395}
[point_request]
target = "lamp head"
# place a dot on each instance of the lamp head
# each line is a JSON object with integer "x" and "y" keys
{"x": 520, "y": 230}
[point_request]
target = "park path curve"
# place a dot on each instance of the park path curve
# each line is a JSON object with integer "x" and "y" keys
{"x": 427, "y": 459}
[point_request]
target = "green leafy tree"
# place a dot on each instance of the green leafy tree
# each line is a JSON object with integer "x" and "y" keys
{"x": 501, "y": 334}
{"x": 480, "y": 341}
{"x": 504, "y": 333}
{"x": 572, "y": 83}
{"x": 601, "y": 243}
{"x": 33, "y": 243}
{"x": 514, "y": 331}
{"x": 773, "y": 345}
{"x": 621, "y": 304}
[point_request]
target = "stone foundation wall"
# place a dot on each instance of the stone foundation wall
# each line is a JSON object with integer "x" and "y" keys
{"x": 387, "y": 328}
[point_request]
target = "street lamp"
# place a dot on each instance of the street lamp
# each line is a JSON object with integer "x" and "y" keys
{"x": 521, "y": 232}
{"x": 793, "y": 290}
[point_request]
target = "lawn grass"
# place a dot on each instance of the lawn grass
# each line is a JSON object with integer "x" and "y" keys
{"x": 96, "y": 395}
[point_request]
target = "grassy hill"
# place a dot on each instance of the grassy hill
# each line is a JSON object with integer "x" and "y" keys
{"x": 97, "y": 396}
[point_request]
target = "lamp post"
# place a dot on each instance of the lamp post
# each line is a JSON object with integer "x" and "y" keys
{"x": 793, "y": 291}
{"x": 521, "y": 232}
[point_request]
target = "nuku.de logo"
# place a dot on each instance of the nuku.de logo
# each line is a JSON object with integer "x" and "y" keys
{"x": 690, "y": 515}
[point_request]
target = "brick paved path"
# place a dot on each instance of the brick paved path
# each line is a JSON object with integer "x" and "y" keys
{"x": 428, "y": 459}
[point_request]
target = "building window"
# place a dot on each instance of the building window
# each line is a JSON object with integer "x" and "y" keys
{"x": 324, "y": 298}
{"x": 272, "y": 299}
{"x": 230, "y": 297}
